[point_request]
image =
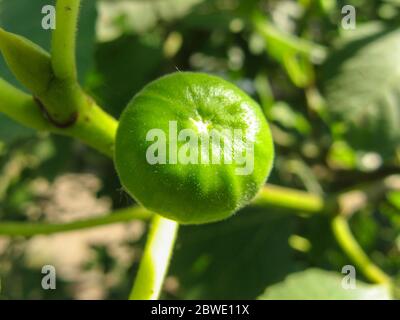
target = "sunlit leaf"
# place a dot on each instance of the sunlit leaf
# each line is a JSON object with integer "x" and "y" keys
{"x": 316, "y": 284}
{"x": 363, "y": 93}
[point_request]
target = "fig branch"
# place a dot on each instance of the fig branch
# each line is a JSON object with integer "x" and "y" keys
{"x": 64, "y": 40}
{"x": 21, "y": 108}
{"x": 26, "y": 229}
{"x": 93, "y": 127}
{"x": 297, "y": 202}
{"x": 155, "y": 261}
{"x": 58, "y": 104}
{"x": 353, "y": 250}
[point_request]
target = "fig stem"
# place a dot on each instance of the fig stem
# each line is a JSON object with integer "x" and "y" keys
{"x": 309, "y": 204}
{"x": 64, "y": 40}
{"x": 26, "y": 229}
{"x": 345, "y": 238}
{"x": 21, "y": 107}
{"x": 94, "y": 126}
{"x": 155, "y": 260}
{"x": 291, "y": 199}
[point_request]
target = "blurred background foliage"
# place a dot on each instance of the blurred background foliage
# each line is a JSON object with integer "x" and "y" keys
{"x": 332, "y": 97}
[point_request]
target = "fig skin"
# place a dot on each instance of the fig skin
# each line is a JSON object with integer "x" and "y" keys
{"x": 193, "y": 193}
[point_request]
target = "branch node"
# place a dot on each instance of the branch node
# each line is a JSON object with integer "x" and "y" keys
{"x": 62, "y": 125}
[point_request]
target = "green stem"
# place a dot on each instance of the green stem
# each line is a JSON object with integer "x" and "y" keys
{"x": 350, "y": 246}
{"x": 25, "y": 229}
{"x": 286, "y": 40}
{"x": 299, "y": 201}
{"x": 21, "y": 107}
{"x": 94, "y": 126}
{"x": 154, "y": 263}
{"x": 64, "y": 38}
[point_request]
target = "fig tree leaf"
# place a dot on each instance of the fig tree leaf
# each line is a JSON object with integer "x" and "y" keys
{"x": 363, "y": 92}
{"x": 316, "y": 284}
{"x": 235, "y": 258}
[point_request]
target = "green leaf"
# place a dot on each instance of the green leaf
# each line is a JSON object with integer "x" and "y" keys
{"x": 236, "y": 258}
{"x": 316, "y": 284}
{"x": 363, "y": 92}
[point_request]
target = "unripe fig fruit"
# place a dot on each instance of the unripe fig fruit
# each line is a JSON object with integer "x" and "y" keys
{"x": 193, "y": 148}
